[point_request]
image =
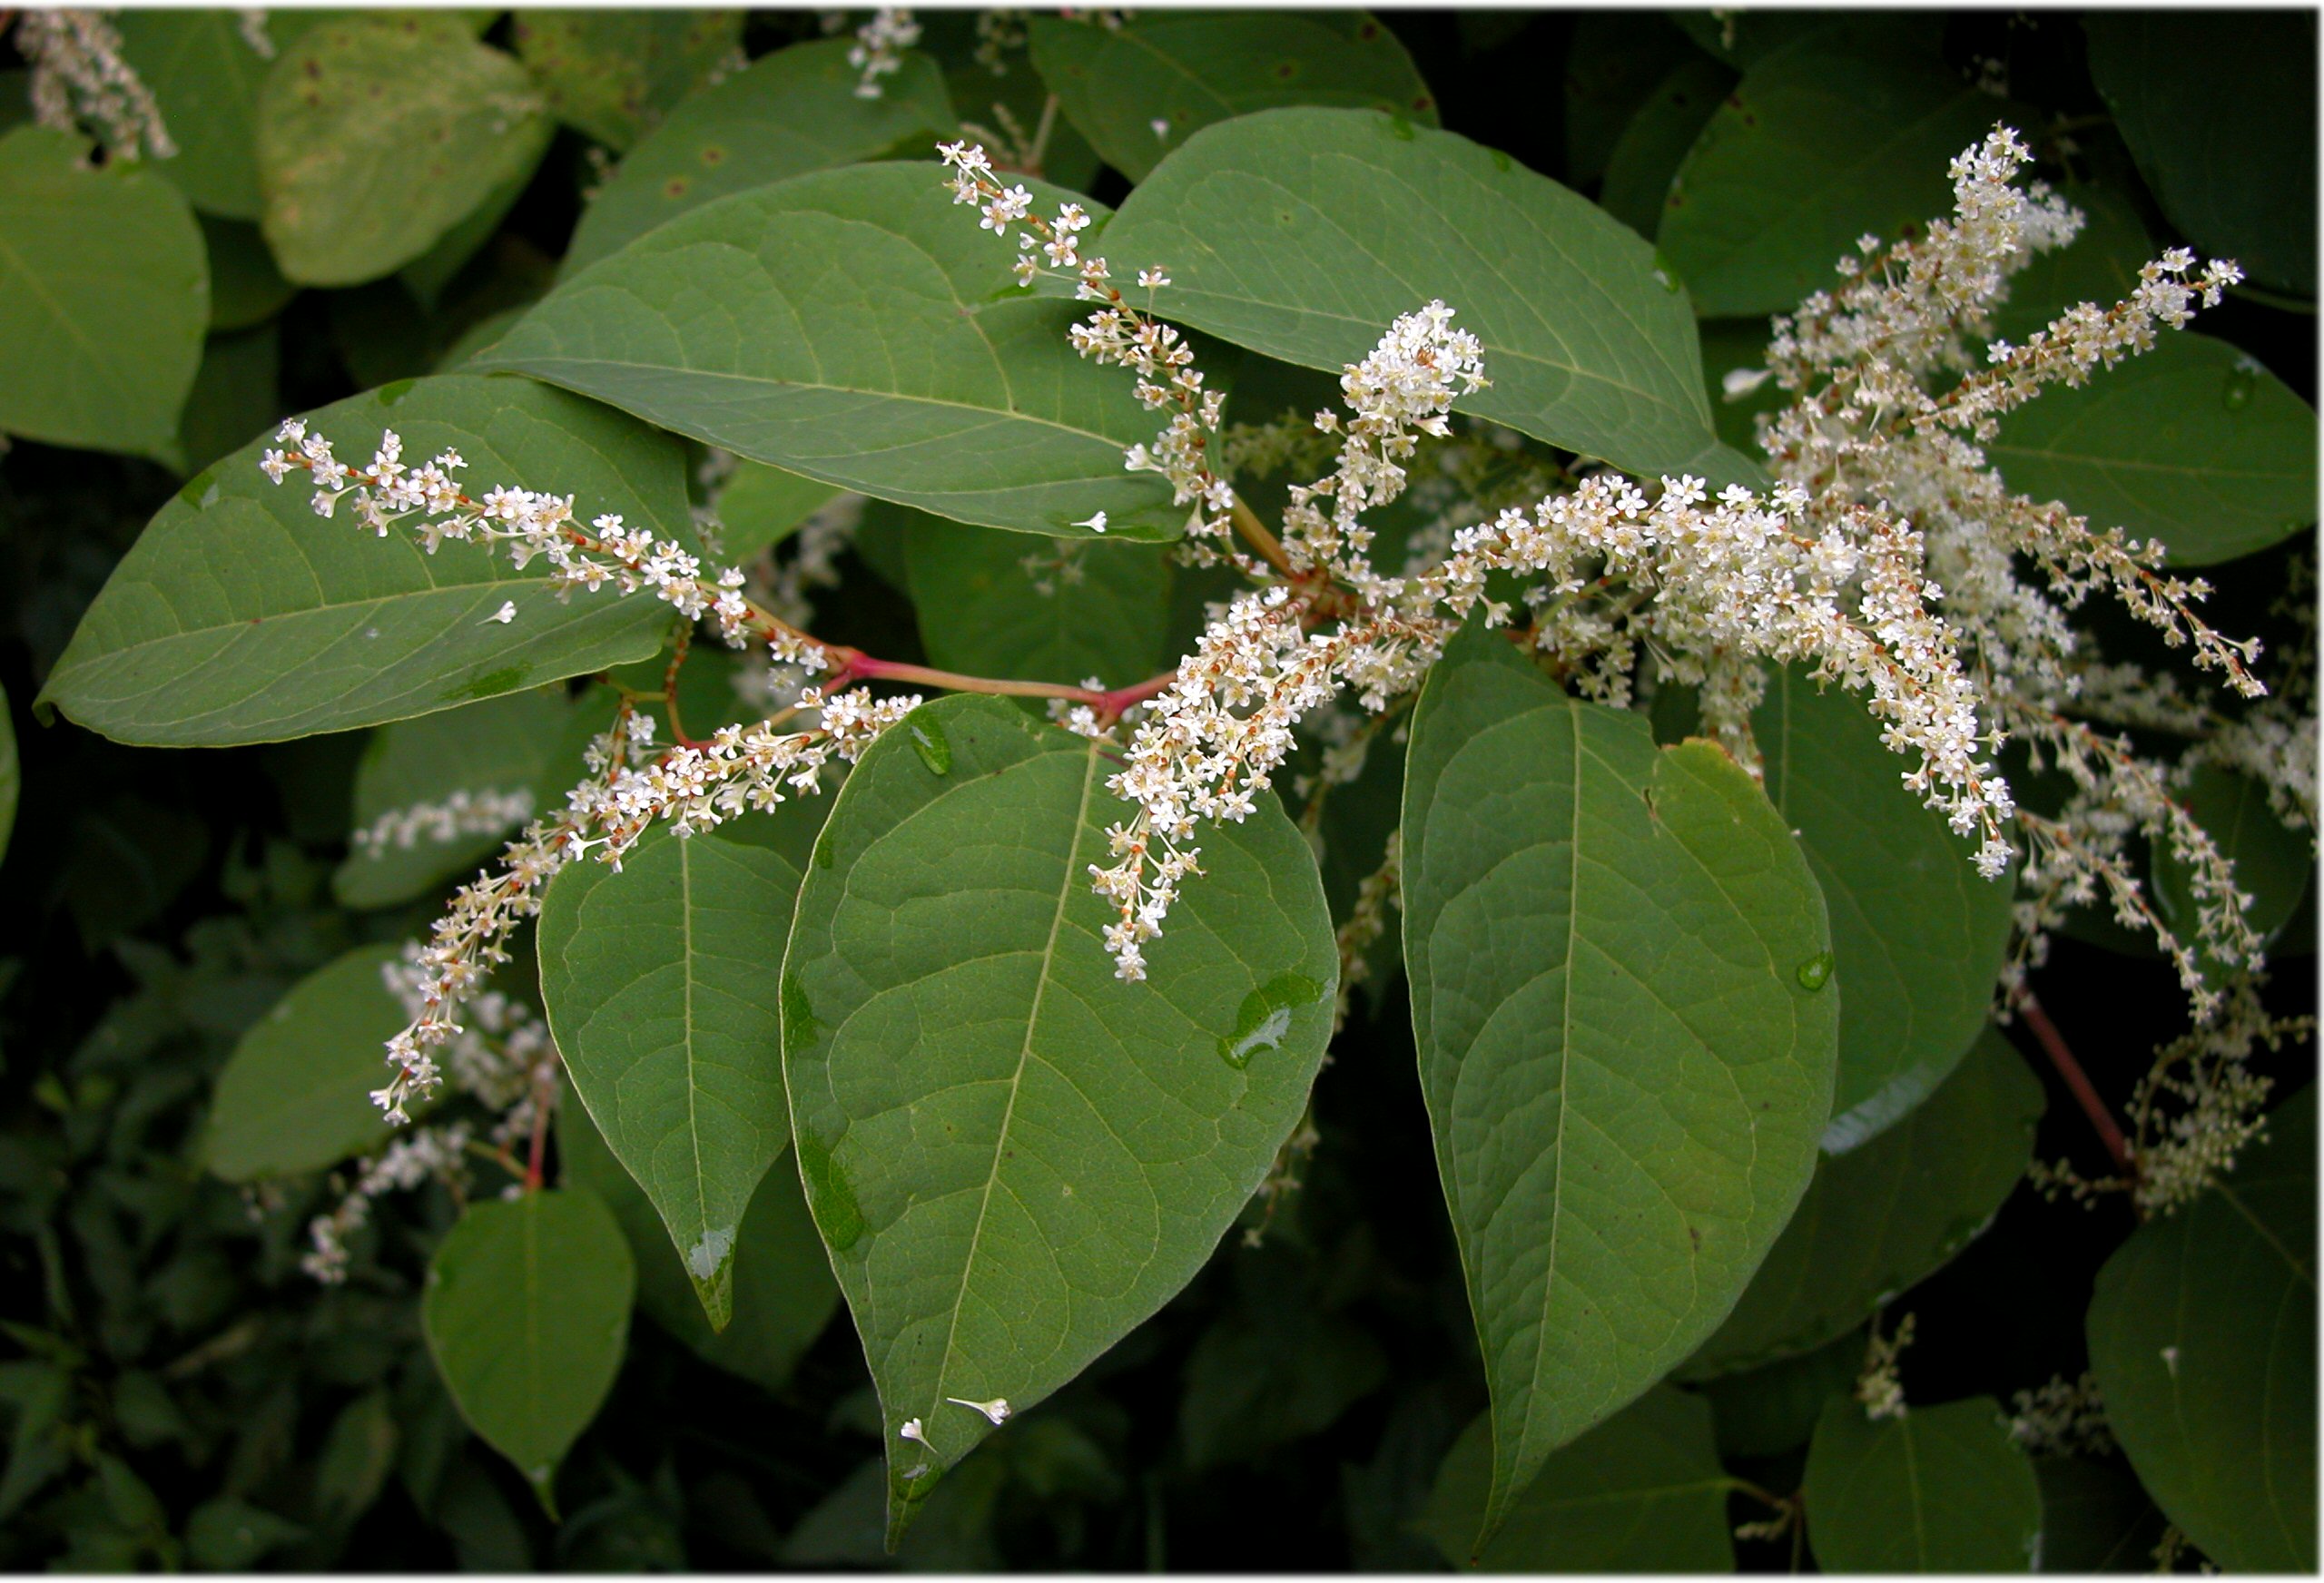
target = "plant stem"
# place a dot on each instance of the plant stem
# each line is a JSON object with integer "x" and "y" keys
{"x": 1270, "y": 548}
{"x": 2077, "y": 1082}
{"x": 857, "y": 666}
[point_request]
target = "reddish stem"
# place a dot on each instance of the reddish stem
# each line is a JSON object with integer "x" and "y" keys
{"x": 533, "y": 1161}
{"x": 2077, "y": 1081}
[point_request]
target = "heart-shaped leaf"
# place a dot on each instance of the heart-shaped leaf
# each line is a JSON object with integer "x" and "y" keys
{"x": 1939, "y": 1489}
{"x": 660, "y": 983}
{"x": 1621, "y": 980}
{"x": 1303, "y": 234}
{"x": 526, "y": 1314}
{"x": 1015, "y": 1157}
{"x": 240, "y": 615}
{"x": 858, "y": 327}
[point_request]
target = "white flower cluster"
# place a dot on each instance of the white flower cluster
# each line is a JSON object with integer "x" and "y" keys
{"x": 80, "y": 78}
{"x": 2062, "y": 1418}
{"x": 423, "y": 1155}
{"x": 1877, "y": 1388}
{"x": 521, "y": 523}
{"x": 251, "y": 25}
{"x": 464, "y": 813}
{"x": 1405, "y": 388}
{"x": 1116, "y": 333}
{"x": 690, "y": 786}
{"x": 879, "y": 47}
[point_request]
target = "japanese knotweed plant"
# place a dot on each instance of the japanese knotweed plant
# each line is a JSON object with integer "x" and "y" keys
{"x": 1034, "y": 976}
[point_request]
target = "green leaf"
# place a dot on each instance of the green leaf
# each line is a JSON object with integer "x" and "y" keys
{"x": 1589, "y": 921}
{"x": 993, "y": 604}
{"x": 245, "y": 287}
{"x": 1139, "y": 90}
{"x": 103, "y": 293}
{"x": 12, "y": 772}
{"x": 1729, "y": 345}
{"x": 1940, "y": 1489}
{"x": 2094, "y": 1517}
{"x": 782, "y": 1281}
{"x": 868, "y": 334}
{"x": 296, "y": 1096}
{"x": 1013, "y": 1156}
{"x": 2246, "y": 187}
{"x": 1654, "y": 145}
{"x": 2202, "y": 1334}
{"x": 1642, "y": 1492}
{"x": 612, "y": 75}
{"x": 2194, "y": 443}
{"x": 241, "y": 616}
{"x": 1824, "y": 140}
{"x": 1303, "y": 234}
{"x": 1917, "y": 937}
{"x": 760, "y": 507}
{"x": 660, "y": 983}
{"x": 205, "y": 78}
{"x": 792, "y": 112}
{"x": 526, "y": 1314}
{"x": 376, "y": 136}
{"x": 518, "y": 743}
{"x": 358, "y": 1454}
{"x": 2272, "y": 862}
{"x": 1886, "y": 1216}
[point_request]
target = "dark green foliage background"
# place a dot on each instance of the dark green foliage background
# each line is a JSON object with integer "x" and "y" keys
{"x": 175, "y": 1393}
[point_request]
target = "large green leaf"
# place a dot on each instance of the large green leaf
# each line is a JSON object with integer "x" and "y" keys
{"x": 1612, "y": 62}
{"x": 1773, "y": 1409}
{"x": 241, "y": 616}
{"x": 378, "y": 135}
{"x": 660, "y": 983}
{"x": 1139, "y": 90}
{"x": 1013, "y": 1156}
{"x": 1940, "y": 1489}
{"x": 2202, "y": 1334}
{"x": 781, "y": 1281}
{"x": 1918, "y": 937}
{"x": 526, "y": 1314}
{"x": 1623, "y": 997}
{"x": 2194, "y": 443}
{"x": 2244, "y": 186}
{"x": 2273, "y": 863}
{"x": 1884, "y": 1217}
{"x": 1825, "y": 139}
{"x": 613, "y": 75}
{"x": 1303, "y": 234}
{"x": 1642, "y": 1492}
{"x": 759, "y": 507}
{"x": 499, "y": 748}
{"x": 856, "y": 325}
{"x": 104, "y": 290}
{"x": 296, "y": 1096}
{"x": 205, "y": 78}
{"x": 794, "y": 112}
{"x": 236, "y": 394}
{"x": 996, "y": 604}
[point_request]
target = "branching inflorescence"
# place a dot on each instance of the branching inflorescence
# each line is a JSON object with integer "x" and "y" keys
{"x": 1885, "y": 558}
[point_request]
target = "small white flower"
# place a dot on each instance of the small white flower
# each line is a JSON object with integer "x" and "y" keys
{"x": 505, "y": 615}
{"x": 997, "y": 1409}
{"x": 1094, "y": 521}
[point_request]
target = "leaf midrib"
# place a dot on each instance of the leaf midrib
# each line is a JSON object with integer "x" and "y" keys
{"x": 1024, "y": 1056}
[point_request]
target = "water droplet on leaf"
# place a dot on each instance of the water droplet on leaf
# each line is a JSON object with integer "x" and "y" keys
{"x": 1816, "y": 971}
{"x": 2237, "y": 395}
